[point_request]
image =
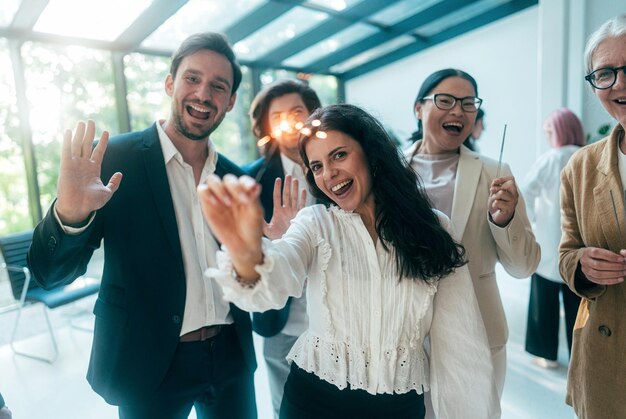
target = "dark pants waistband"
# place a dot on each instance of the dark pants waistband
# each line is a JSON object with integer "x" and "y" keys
{"x": 202, "y": 334}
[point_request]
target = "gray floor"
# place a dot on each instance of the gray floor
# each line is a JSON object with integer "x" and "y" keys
{"x": 36, "y": 390}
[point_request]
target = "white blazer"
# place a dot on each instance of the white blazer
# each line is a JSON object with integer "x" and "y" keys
{"x": 514, "y": 246}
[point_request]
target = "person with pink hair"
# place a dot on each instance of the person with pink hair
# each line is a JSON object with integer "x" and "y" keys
{"x": 541, "y": 188}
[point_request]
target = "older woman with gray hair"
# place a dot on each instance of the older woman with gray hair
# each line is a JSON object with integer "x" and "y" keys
{"x": 592, "y": 254}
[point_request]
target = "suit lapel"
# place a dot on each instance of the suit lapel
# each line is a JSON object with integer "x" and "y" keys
{"x": 467, "y": 177}
{"x": 609, "y": 197}
{"x": 154, "y": 164}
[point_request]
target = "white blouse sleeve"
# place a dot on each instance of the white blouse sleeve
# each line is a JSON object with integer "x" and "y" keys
{"x": 283, "y": 272}
{"x": 461, "y": 373}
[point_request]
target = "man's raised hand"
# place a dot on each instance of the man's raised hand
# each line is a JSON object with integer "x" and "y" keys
{"x": 80, "y": 190}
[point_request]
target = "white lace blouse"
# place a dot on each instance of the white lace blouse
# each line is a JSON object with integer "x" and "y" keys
{"x": 367, "y": 329}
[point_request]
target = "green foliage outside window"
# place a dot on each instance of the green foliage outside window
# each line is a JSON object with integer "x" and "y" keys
{"x": 65, "y": 85}
{"x": 14, "y": 214}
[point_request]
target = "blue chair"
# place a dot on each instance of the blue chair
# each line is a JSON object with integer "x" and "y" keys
{"x": 14, "y": 248}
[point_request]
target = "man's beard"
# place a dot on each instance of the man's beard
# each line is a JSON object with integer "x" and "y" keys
{"x": 181, "y": 127}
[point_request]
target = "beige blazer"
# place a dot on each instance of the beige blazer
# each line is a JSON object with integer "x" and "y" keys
{"x": 514, "y": 246}
{"x": 597, "y": 373}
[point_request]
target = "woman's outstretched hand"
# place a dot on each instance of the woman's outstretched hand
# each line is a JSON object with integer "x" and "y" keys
{"x": 232, "y": 209}
{"x": 287, "y": 202}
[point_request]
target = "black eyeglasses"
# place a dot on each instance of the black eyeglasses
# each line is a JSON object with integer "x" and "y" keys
{"x": 604, "y": 78}
{"x": 445, "y": 102}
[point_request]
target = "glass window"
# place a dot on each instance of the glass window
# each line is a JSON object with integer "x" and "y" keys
{"x": 340, "y": 40}
{"x": 7, "y": 11}
{"x": 336, "y": 5}
{"x": 324, "y": 86}
{"x": 63, "y": 86}
{"x": 373, "y": 53}
{"x": 14, "y": 210}
{"x": 234, "y": 136}
{"x": 145, "y": 81}
{"x": 401, "y": 10}
{"x": 457, "y": 17}
{"x": 93, "y": 19}
{"x": 276, "y": 33}
{"x": 199, "y": 16}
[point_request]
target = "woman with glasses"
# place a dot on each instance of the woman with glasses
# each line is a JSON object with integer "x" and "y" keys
{"x": 592, "y": 255}
{"x": 481, "y": 198}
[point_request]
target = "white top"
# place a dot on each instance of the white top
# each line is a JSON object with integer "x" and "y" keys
{"x": 541, "y": 189}
{"x": 297, "y": 322}
{"x": 204, "y": 305}
{"x": 438, "y": 175}
{"x": 367, "y": 328}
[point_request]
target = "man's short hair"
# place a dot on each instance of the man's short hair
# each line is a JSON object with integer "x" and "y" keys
{"x": 207, "y": 41}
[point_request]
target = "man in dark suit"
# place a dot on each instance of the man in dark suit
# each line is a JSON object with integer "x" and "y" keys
{"x": 164, "y": 338}
{"x": 275, "y": 113}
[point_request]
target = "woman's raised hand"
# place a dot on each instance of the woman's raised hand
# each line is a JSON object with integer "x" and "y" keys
{"x": 503, "y": 197}
{"x": 287, "y": 202}
{"x": 80, "y": 190}
{"x": 232, "y": 209}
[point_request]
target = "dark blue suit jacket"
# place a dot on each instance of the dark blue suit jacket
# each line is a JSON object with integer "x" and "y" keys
{"x": 271, "y": 322}
{"x": 140, "y": 306}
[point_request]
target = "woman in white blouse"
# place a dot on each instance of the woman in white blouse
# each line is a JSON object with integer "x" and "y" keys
{"x": 541, "y": 188}
{"x": 383, "y": 275}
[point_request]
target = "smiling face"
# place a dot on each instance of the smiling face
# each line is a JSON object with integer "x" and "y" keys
{"x": 445, "y": 130}
{"x": 283, "y": 114}
{"x": 612, "y": 53}
{"x": 201, "y": 95}
{"x": 341, "y": 172}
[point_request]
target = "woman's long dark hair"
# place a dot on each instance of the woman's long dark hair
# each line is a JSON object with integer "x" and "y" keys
{"x": 429, "y": 84}
{"x": 404, "y": 217}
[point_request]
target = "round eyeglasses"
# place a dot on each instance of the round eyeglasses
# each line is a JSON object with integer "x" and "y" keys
{"x": 604, "y": 78}
{"x": 445, "y": 102}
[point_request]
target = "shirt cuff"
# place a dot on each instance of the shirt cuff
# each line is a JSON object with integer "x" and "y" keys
{"x": 69, "y": 229}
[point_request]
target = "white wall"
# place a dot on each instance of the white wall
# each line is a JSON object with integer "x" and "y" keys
{"x": 501, "y": 56}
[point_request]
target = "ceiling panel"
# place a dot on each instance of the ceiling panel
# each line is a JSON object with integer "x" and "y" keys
{"x": 336, "y": 5}
{"x": 7, "y": 11}
{"x": 372, "y": 54}
{"x": 91, "y": 19}
{"x": 199, "y": 16}
{"x": 345, "y": 38}
{"x": 278, "y": 32}
{"x": 456, "y": 17}
{"x": 399, "y": 11}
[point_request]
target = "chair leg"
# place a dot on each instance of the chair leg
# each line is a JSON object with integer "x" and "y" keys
{"x": 74, "y": 317}
{"x": 50, "y": 331}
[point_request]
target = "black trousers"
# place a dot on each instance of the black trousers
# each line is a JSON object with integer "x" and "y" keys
{"x": 211, "y": 376}
{"x": 307, "y": 397}
{"x": 542, "y": 330}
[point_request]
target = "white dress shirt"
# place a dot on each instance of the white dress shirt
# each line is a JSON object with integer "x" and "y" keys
{"x": 297, "y": 322}
{"x": 541, "y": 190}
{"x": 367, "y": 328}
{"x": 204, "y": 302}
